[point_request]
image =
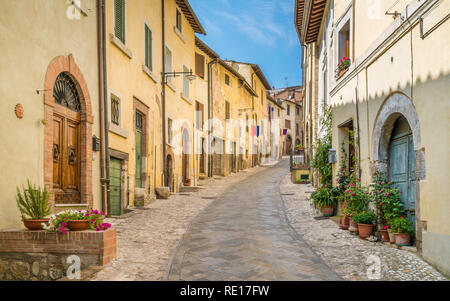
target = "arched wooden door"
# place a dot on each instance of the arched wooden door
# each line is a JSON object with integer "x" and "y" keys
{"x": 402, "y": 165}
{"x": 169, "y": 172}
{"x": 66, "y": 141}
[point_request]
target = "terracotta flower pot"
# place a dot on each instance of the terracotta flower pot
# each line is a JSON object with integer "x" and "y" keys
{"x": 365, "y": 230}
{"x": 402, "y": 239}
{"x": 345, "y": 222}
{"x": 384, "y": 235}
{"x": 34, "y": 224}
{"x": 187, "y": 183}
{"x": 353, "y": 227}
{"x": 78, "y": 225}
{"x": 391, "y": 236}
{"x": 327, "y": 210}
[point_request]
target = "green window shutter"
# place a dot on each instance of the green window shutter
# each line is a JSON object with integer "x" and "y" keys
{"x": 148, "y": 48}
{"x": 119, "y": 15}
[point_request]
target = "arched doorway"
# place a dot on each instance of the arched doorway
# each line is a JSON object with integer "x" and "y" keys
{"x": 185, "y": 156}
{"x": 169, "y": 172}
{"x": 397, "y": 151}
{"x": 288, "y": 145}
{"x": 402, "y": 164}
{"x": 68, "y": 134}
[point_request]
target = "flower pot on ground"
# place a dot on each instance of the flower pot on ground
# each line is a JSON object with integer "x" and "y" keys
{"x": 384, "y": 235}
{"x": 33, "y": 206}
{"x": 327, "y": 210}
{"x": 403, "y": 229}
{"x": 79, "y": 225}
{"x": 345, "y": 222}
{"x": 187, "y": 182}
{"x": 391, "y": 236}
{"x": 365, "y": 222}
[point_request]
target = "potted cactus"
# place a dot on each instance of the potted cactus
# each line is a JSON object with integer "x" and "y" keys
{"x": 33, "y": 206}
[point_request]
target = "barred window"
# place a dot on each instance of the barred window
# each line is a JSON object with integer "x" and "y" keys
{"x": 115, "y": 110}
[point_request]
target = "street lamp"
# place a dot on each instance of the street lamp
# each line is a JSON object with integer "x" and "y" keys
{"x": 189, "y": 75}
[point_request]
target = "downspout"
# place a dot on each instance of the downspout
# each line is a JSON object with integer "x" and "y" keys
{"x": 100, "y": 104}
{"x": 105, "y": 109}
{"x": 163, "y": 94}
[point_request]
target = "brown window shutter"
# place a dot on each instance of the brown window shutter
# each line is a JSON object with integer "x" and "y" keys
{"x": 200, "y": 65}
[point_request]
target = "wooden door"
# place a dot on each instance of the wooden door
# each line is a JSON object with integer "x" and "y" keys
{"x": 115, "y": 186}
{"x": 66, "y": 155}
{"x": 202, "y": 158}
{"x": 402, "y": 172}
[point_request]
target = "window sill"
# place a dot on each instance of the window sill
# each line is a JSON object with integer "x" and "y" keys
{"x": 150, "y": 74}
{"x": 179, "y": 34}
{"x": 118, "y": 43}
{"x": 171, "y": 86}
{"x": 118, "y": 130}
{"x": 185, "y": 98}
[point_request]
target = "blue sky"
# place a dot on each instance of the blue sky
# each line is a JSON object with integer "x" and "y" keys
{"x": 254, "y": 31}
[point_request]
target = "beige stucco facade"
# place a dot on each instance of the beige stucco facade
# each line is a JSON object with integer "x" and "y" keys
{"x": 52, "y": 33}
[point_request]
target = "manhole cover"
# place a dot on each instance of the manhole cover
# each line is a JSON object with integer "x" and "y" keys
{"x": 319, "y": 218}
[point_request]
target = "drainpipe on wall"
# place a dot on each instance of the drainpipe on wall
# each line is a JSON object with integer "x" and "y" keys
{"x": 105, "y": 108}
{"x": 100, "y": 91}
{"x": 163, "y": 96}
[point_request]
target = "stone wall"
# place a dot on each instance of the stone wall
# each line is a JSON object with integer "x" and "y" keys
{"x": 40, "y": 255}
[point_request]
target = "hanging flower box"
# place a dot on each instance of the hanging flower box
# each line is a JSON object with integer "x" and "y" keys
{"x": 342, "y": 67}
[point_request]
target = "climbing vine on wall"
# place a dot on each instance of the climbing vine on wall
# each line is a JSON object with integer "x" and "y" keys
{"x": 322, "y": 146}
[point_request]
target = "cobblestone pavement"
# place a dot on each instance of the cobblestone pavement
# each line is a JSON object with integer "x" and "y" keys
{"x": 244, "y": 235}
{"x": 347, "y": 254}
{"x": 147, "y": 237}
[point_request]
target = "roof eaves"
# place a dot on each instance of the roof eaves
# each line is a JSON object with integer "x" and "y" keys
{"x": 191, "y": 16}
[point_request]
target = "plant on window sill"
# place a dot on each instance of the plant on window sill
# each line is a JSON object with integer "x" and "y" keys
{"x": 342, "y": 67}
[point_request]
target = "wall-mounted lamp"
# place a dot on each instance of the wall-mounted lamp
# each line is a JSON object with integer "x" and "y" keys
{"x": 189, "y": 75}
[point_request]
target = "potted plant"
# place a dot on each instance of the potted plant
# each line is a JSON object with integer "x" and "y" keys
{"x": 384, "y": 234}
{"x": 343, "y": 66}
{"x": 365, "y": 221}
{"x": 187, "y": 182}
{"x": 403, "y": 229}
{"x": 323, "y": 200}
{"x": 33, "y": 206}
{"x": 77, "y": 221}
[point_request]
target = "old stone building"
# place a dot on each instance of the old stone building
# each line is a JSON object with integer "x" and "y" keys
{"x": 391, "y": 98}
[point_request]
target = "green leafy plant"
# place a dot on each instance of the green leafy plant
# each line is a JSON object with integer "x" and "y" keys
{"x": 365, "y": 217}
{"x": 322, "y": 147}
{"x": 356, "y": 198}
{"x": 58, "y": 222}
{"x": 401, "y": 225}
{"x": 33, "y": 202}
{"x": 322, "y": 197}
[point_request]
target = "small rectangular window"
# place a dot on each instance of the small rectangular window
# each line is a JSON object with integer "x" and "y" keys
{"x": 185, "y": 82}
{"x": 200, "y": 65}
{"x": 288, "y": 124}
{"x": 288, "y": 110}
{"x": 148, "y": 48}
{"x": 168, "y": 62}
{"x": 227, "y": 110}
{"x": 115, "y": 110}
{"x": 179, "y": 21}
{"x": 169, "y": 130}
{"x": 119, "y": 20}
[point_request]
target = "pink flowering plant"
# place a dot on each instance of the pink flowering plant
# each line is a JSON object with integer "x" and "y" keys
{"x": 357, "y": 198}
{"x": 344, "y": 63}
{"x": 58, "y": 222}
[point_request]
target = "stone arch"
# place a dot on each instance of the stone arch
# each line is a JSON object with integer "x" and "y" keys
{"x": 67, "y": 65}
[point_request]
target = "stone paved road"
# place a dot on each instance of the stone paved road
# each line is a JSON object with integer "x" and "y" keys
{"x": 244, "y": 235}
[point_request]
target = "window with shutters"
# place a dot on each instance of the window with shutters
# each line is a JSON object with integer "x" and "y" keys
{"x": 119, "y": 20}
{"x": 227, "y": 110}
{"x": 185, "y": 81}
{"x": 179, "y": 21}
{"x": 200, "y": 65}
{"x": 262, "y": 97}
{"x": 115, "y": 110}
{"x": 148, "y": 48}
{"x": 227, "y": 79}
{"x": 288, "y": 124}
{"x": 288, "y": 110}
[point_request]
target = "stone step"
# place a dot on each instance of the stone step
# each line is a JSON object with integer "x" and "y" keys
{"x": 63, "y": 207}
{"x": 191, "y": 188}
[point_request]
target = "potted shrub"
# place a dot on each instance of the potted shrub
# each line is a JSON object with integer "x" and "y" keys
{"x": 187, "y": 182}
{"x": 403, "y": 229}
{"x": 365, "y": 221}
{"x": 323, "y": 200}
{"x": 33, "y": 206}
